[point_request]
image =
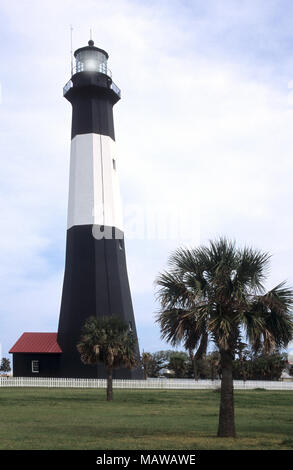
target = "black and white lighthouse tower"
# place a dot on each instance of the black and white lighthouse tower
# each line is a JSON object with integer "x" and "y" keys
{"x": 95, "y": 279}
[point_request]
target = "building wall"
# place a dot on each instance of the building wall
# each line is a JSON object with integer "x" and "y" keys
{"x": 48, "y": 365}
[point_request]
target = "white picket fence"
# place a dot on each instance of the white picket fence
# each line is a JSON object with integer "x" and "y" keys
{"x": 165, "y": 384}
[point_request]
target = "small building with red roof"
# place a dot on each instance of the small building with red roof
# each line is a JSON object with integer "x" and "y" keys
{"x": 36, "y": 354}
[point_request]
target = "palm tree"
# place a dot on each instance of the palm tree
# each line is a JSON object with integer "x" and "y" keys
{"x": 178, "y": 326}
{"x": 146, "y": 358}
{"x": 218, "y": 289}
{"x": 110, "y": 341}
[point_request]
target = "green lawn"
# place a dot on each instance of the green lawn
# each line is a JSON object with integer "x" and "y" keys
{"x": 42, "y": 418}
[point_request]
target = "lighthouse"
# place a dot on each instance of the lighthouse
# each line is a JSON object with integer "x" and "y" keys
{"x": 95, "y": 278}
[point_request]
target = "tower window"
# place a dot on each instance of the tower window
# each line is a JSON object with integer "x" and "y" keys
{"x": 35, "y": 367}
{"x": 120, "y": 245}
{"x": 114, "y": 163}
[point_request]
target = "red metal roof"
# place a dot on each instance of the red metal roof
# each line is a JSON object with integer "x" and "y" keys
{"x": 44, "y": 343}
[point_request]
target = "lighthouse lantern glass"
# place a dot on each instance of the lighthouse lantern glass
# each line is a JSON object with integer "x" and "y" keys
{"x": 91, "y": 61}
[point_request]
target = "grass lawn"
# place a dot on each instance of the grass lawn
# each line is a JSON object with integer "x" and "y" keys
{"x": 40, "y": 418}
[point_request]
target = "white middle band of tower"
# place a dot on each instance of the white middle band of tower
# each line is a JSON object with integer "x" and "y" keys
{"x": 94, "y": 195}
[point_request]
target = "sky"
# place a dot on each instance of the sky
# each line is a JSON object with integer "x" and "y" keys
{"x": 203, "y": 130}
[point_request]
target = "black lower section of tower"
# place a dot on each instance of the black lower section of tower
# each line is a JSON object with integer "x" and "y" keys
{"x": 95, "y": 284}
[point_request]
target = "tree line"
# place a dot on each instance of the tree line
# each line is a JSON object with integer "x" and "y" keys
{"x": 246, "y": 366}
{"x": 5, "y": 365}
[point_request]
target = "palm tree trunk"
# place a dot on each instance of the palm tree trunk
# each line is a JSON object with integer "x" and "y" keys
{"x": 110, "y": 384}
{"x": 212, "y": 370}
{"x": 194, "y": 363}
{"x": 202, "y": 349}
{"x": 195, "y": 369}
{"x": 145, "y": 376}
{"x": 226, "y": 418}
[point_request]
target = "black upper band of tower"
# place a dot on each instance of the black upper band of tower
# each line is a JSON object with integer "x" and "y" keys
{"x": 92, "y": 99}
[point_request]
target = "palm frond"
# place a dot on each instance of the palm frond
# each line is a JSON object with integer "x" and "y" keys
{"x": 272, "y": 314}
{"x": 252, "y": 268}
{"x": 172, "y": 291}
{"x": 107, "y": 340}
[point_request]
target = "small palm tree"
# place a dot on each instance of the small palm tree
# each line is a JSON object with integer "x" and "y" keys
{"x": 218, "y": 290}
{"x": 145, "y": 360}
{"x": 110, "y": 341}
